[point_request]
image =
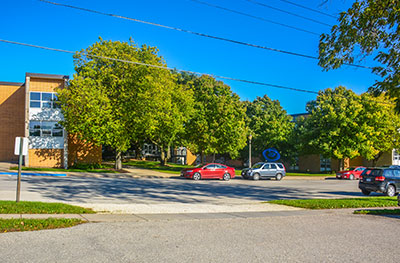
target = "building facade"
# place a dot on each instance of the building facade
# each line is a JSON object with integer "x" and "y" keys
{"x": 31, "y": 110}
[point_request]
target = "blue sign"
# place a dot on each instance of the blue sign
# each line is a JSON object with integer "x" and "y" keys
{"x": 271, "y": 155}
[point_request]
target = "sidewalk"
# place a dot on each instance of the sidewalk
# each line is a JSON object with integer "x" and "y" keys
{"x": 176, "y": 216}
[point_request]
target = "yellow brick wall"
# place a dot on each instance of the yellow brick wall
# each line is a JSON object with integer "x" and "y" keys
{"x": 46, "y": 158}
{"x": 81, "y": 152}
{"x": 12, "y": 118}
{"x": 45, "y": 85}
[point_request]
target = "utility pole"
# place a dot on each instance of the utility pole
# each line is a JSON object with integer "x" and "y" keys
{"x": 250, "y": 137}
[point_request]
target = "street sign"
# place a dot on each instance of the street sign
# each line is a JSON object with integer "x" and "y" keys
{"x": 18, "y": 146}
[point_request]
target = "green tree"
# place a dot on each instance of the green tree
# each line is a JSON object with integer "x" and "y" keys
{"x": 270, "y": 126}
{"x": 332, "y": 128}
{"x": 167, "y": 114}
{"x": 368, "y": 28}
{"x": 104, "y": 102}
{"x": 380, "y": 126}
{"x": 218, "y": 125}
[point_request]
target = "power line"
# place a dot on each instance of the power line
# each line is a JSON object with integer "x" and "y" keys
{"x": 255, "y": 17}
{"x": 173, "y": 69}
{"x": 198, "y": 34}
{"x": 309, "y": 9}
{"x": 289, "y": 13}
{"x": 160, "y": 67}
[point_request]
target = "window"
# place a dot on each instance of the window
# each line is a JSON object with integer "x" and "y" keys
{"x": 325, "y": 164}
{"x": 211, "y": 166}
{"x": 273, "y": 166}
{"x": 44, "y": 100}
{"x": 45, "y": 129}
{"x": 267, "y": 166}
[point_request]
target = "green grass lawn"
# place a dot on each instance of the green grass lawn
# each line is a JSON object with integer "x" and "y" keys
{"x": 379, "y": 212}
{"x": 14, "y": 225}
{"x": 24, "y": 207}
{"x": 87, "y": 170}
{"x": 361, "y": 202}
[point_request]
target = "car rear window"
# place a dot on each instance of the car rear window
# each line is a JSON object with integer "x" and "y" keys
{"x": 280, "y": 165}
{"x": 372, "y": 172}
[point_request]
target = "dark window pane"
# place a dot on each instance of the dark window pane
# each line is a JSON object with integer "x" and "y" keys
{"x": 57, "y": 133}
{"x": 35, "y": 95}
{"x": 34, "y": 104}
{"x": 273, "y": 166}
{"x": 46, "y": 133}
{"x": 47, "y": 96}
{"x": 33, "y": 132}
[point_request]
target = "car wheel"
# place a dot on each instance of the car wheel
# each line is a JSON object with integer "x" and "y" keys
{"x": 351, "y": 177}
{"x": 278, "y": 177}
{"x": 196, "y": 176}
{"x": 398, "y": 200}
{"x": 256, "y": 176}
{"x": 390, "y": 191}
{"x": 365, "y": 192}
{"x": 226, "y": 177}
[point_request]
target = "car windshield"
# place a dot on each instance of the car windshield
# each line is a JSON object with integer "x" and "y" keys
{"x": 350, "y": 169}
{"x": 257, "y": 165}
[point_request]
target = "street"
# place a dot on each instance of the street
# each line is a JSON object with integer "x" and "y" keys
{"x": 175, "y": 195}
{"x": 317, "y": 236}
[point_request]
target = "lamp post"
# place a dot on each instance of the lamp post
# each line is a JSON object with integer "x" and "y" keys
{"x": 250, "y": 137}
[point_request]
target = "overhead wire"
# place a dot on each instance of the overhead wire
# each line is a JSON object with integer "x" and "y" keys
{"x": 255, "y": 17}
{"x": 173, "y": 69}
{"x": 160, "y": 67}
{"x": 196, "y": 33}
{"x": 309, "y": 9}
{"x": 288, "y": 12}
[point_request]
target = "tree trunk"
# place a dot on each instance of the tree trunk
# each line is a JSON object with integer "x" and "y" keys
{"x": 118, "y": 160}
{"x": 213, "y": 158}
{"x": 375, "y": 160}
{"x": 163, "y": 159}
{"x": 202, "y": 157}
{"x": 168, "y": 153}
{"x": 341, "y": 164}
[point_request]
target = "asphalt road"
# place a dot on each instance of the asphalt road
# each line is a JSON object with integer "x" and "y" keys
{"x": 175, "y": 195}
{"x": 310, "y": 237}
{"x": 127, "y": 190}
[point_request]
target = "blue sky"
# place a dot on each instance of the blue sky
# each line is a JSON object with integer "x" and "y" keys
{"x": 35, "y": 22}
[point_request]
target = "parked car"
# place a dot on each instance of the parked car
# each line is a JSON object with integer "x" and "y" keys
{"x": 265, "y": 170}
{"x": 384, "y": 180}
{"x": 350, "y": 173}
{"x": 209, "y": 171}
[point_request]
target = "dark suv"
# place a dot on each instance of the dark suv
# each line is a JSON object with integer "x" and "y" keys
{"x": 384, "y": 180}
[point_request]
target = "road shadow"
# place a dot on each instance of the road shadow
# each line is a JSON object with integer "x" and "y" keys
{"x": 87, "y": 190}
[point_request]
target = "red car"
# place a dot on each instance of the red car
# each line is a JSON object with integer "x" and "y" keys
{"x": 351, "y": 173}
{"x": 209, "y": 171}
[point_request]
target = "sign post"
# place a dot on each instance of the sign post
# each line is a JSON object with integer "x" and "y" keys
{"x": 21, "y": 148}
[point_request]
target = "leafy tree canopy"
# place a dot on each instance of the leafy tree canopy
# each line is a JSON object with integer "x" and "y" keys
{"x": 369, "y": 27}
{"x": 218, "y": 125}
{"x": 269, "y": 125}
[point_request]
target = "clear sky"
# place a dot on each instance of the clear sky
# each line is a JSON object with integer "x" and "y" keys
{"x": 35, "y": 22}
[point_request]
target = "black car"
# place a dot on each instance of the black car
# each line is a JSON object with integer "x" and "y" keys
{"x": 384, "y": 180}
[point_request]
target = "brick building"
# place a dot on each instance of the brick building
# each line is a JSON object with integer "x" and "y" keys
{"x": 30, "y": 109}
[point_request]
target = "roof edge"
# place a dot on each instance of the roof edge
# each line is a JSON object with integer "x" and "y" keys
{"x": 46, "y": 76}
{"x": 8, "y": 83}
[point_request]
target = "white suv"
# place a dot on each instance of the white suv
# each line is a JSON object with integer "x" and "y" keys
{"x": 265, "y": 170}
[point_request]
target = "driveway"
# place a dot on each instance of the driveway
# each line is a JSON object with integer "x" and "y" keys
{"x": 172, "y": 195}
